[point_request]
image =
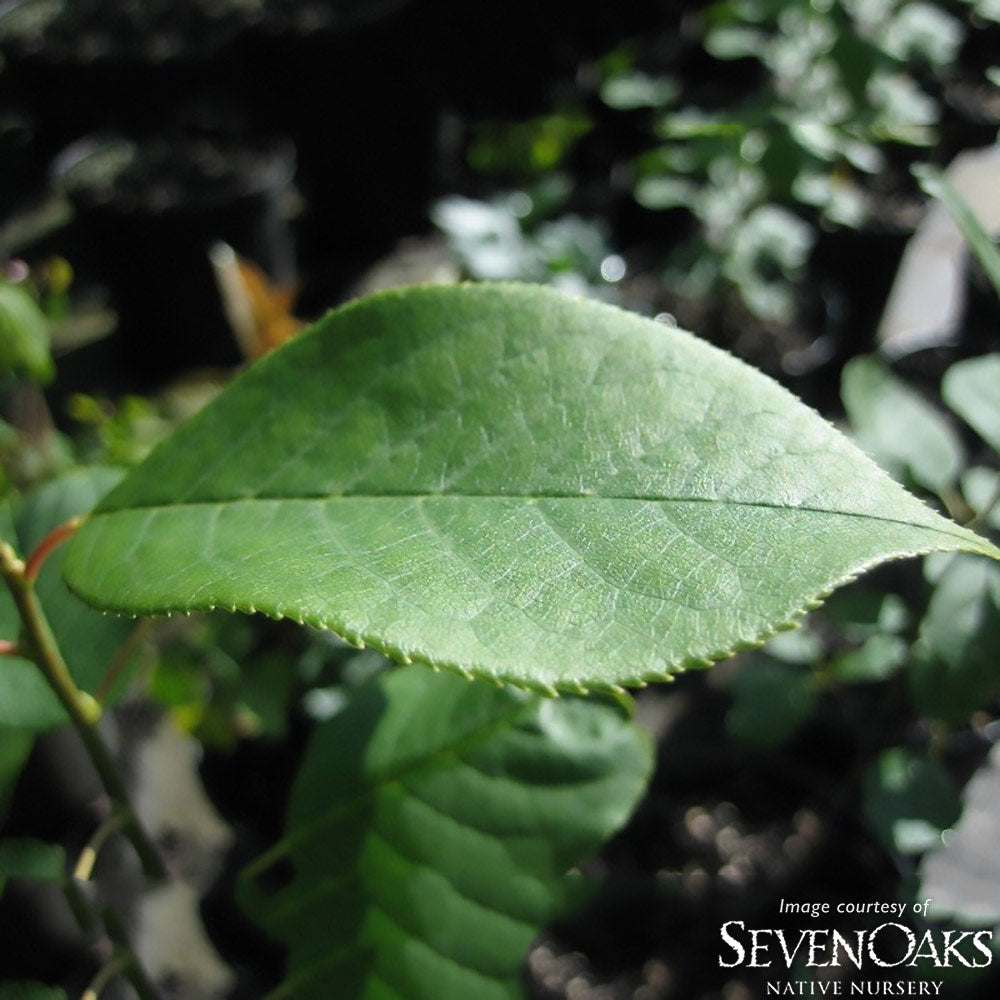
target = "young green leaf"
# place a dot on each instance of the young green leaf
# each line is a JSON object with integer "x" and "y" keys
{"x": 430, "y": 830}
{"x": 898, "y": 427}
{"x": 508, "y": 482}
{"x": 24, "y": 334}
{"x": 970, "y": 388}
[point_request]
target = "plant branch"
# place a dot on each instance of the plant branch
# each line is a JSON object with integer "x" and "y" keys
{"x": 88, "y": 856}
{"x": 95, "y": 988}
{"x": 79, "y": 905}
{"x": 40, "y": 645}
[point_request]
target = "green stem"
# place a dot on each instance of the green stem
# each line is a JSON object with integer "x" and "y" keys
{"x": 80, "y": 907}
{"x": 104, "y": 976}
{"x": 39, "y": 644}
{"x": 88, "y": 856}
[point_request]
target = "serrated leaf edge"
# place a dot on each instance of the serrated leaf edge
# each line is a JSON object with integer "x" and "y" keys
{"x": 571, "y": 685}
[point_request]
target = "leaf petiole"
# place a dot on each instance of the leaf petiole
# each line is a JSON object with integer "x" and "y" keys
{"x": 51, "y": 541}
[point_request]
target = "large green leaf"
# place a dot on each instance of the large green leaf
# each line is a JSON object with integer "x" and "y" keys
{"x": 506, "y": 481}
{"x": 430, "y": 830}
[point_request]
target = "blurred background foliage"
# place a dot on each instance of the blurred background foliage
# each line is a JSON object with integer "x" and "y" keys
{"x": 741, "y": 168}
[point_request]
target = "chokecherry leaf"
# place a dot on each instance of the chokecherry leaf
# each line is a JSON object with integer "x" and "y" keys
{"x": 508, "y": 482}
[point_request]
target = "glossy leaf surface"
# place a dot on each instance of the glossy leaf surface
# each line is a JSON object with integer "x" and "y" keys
{"x": 430, "y": 830}
{"x": 508, "y": 482}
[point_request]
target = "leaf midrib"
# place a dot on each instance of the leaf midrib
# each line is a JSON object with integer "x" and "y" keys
{"x": 944, "y": 529}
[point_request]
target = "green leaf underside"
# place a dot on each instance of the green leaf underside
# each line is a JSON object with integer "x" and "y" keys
{"x": 30, "y": 991}
{"x": 508, "y": 482}
{"x": 32, "y": 859}
{"x": 15, "y": 746}
{"x": 430, "y": 829}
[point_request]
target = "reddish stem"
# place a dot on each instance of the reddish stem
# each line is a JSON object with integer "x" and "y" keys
{"x": 51, "y": 541}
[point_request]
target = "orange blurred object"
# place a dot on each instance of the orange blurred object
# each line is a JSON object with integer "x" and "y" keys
{"x": 259, "y": 312}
